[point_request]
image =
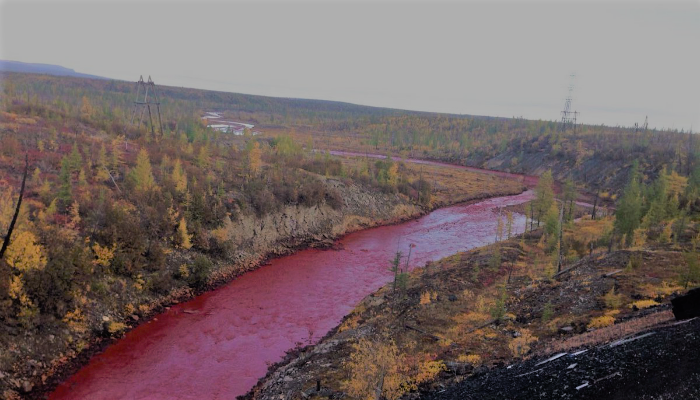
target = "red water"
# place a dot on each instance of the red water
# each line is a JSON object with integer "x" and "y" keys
{"x": 221, "y": 347}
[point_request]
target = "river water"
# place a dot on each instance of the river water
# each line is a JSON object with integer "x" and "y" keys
{"x": 222, "y": 344}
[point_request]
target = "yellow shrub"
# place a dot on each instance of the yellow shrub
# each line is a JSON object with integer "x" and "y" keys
{"x": 663, "y": 290}
{"x": 75, "y": 321}
{"x": 103, "y": 255}
{"x": 471, "y": 318}
{"x": 521, "y": 345}
{"x": 612, "y": 313}
{"x": 641, "y": 304}
{"x": 601, "y": 322}
{"x": 428, "y": 370}
{"x": 467, "y": 294}
{"x": 425, "y": 298}
{"x": 139, "y": 282}
{"x": 613, "y": 300}
{"x": 473, "y": 359}
{"x": 350, "y": 323}
{"x": 115, "y": 327}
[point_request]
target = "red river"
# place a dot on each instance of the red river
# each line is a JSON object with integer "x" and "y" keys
{"x": 222, "y": 345}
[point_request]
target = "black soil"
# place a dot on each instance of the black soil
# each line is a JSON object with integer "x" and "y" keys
{"x": 663, "y": 365}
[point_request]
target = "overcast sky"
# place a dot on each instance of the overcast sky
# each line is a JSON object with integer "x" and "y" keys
{"x": 498, "y": 58}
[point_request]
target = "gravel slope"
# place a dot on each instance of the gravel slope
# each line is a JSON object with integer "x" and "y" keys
{"x": 659, "y": 364}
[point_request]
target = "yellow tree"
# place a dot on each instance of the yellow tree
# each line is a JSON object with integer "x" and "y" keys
{"x": 203, "y": 157}
{"x": 179, "y": 177}
{"x": 254, "y": 158}
{"x": 142, "y": 175}
{"x": 184, "y": 238}
{"x": 86, "y": 108}
{"x": 24, "y": 253}
{"x": 117, "y": 153}
{"x": 102, "y": 174}
{"x": 393, "y": 174}
{"x": 375, "y": 371}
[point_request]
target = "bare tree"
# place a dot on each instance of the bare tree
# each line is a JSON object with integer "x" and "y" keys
{"x": 6, "y": 242}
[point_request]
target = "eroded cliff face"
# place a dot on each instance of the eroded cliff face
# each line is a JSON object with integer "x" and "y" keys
{"x": 253, "y": 238}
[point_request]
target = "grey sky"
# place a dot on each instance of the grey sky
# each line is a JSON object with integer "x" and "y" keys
{"x": 500, "y": 58}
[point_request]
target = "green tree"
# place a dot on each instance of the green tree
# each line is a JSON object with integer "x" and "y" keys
{"x": 399, "y": 278}
{"x": 544, "y": 195}
{"x": 65, "y": 191}
{"x": 657, "y": 199}
{"x": 569, "y": 198}
{"x": 74, "y": 160}
{"x": 629, "y": 209}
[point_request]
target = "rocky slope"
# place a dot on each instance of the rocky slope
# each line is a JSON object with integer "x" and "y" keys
{"x": 661, "y": 363}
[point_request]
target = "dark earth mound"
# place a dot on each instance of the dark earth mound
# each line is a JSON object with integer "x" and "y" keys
{"x": 658, "y": 364}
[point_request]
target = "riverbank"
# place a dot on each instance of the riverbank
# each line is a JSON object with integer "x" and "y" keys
{"x": 482, "y": 309}
{"x": 259, "y": 240}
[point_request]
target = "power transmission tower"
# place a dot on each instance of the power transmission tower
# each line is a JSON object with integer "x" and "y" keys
{"x": 568, "y": 117}
{"x": 143, "y": 103}
{"x": 644, "y": 127}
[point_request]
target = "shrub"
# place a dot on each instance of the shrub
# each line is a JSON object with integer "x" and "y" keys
{"x": 473, "y": 359}
{"x": 520, "y": 346}
{"x": 115, "y": 327}
{"x": 642, "y": 304}
{"x": 161, "y": 284}
{"x": 199, "y": 272}
{"x": 547, "y": 312}
{"x": 601, "y": 322}
{"x": 613, "y": 300}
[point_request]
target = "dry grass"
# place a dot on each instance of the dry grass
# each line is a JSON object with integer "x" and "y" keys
{"x": 450, "y": 185}
{"x": 608, "y": 334}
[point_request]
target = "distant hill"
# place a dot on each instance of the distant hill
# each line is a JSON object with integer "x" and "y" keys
{"x": 47, "y": 69}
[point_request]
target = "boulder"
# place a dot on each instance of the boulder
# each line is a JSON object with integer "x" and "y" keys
{"x": 688, "y": 305}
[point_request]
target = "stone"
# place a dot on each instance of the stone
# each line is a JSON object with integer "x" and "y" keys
{"x": 566, "y": 329}
{"x": 27, "y": 386}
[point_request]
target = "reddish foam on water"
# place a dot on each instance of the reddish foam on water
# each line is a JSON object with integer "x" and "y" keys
{"x": 221, "y": 346}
